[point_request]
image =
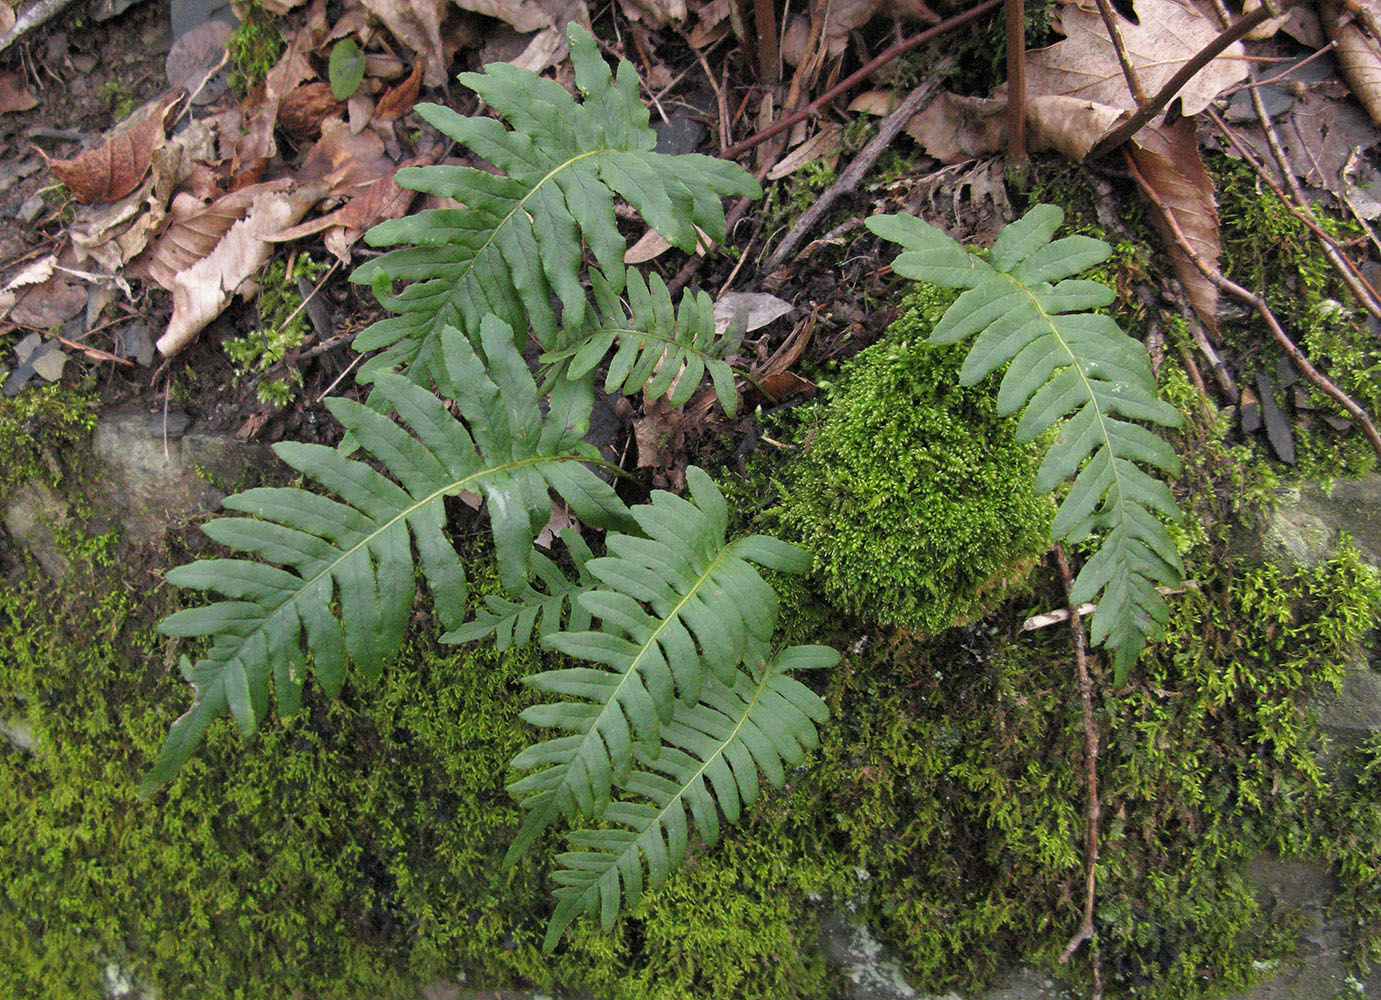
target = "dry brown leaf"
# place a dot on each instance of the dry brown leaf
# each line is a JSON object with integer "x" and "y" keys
{"x": 521, "y": 15}
{"x": 953, "y": 128}
{"x": 195, "y": 55}
{"x": 195, "y": 230}
{"x": 874, "y": 102}
{"x": 400, "y": 99}
{"x": 1266, "y": 28}
{"x": 1358, "y": 57}
{"x": 202, "y": 291}
{"x": 417, "y": 24}
{"x": 825, "y": 145}
{"x": 348, "y": 159}
{"x": 653, "y": 13}
{"x": 6, "y": 16}
{"x": 301, "y": 112}
{"x": 1069, "y": 125}
{"x": 281, "y": 7}
{"x": 1168, "y": 158}
{"x": 14, "y": 96}
{"x": 50, "y": 303}
{"x": 1085, "y": 64}
{"x": 113, "y": 169}
{"x": 754, "y": 309}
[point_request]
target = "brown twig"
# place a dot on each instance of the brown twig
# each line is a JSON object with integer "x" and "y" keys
{"x": 862, "y": 163}
{"x": 853, "y": 79}
{"x": 765, "y": 21}
{"x": 1016, "y": 82}
{"x": 1094, "y": 811}
{"x": 1128, "y": 70}
{"x": 1347, "y": 270}
{"x": 1166, "y": 94}
{"x": 1306, "y": 368}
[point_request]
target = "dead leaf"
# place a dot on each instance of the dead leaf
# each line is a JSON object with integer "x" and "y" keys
{"x": 50, "y": 303}
{"x": 1302, "y": 24}
{"x": 953, "y": 128}
{"x": 521, "y": 15}
{"x": 281, "y": 7}
{"x": 14, "y": 96}
{"x": 347, "y": 158}
{"x": 114, "y": 168}
{"x": 658, "y": 433}
{"x": 6, "y": 16}
{"x": 195, "y": 56}
{"x": 202, "y": 291}
{"x": 1166, "y": 36}
{"x": 195, "y": 230}
{"x": 1069, "y": 125}
{"x": 417, "y": 24}
{"x": 302, "y": 111}
{"x": 874, "y": 102}
{"x": 400, "y": 99}
{"x": 1266, "y": 28}
{"x": 653, "y": 13}
{"x": 753, "y": 309}
{"x": 1358, "y": 58}
{"x": 825, "y": 145}
{"x": 1168, "y": 158}
{"x": 33, "y": 272}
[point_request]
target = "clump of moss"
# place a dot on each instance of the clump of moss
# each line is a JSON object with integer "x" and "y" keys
{"x": 914, "y": 495}
{"x": 283, "y": 324}
{"x": 254, "y": 47}
{"x": 39, "y": 428}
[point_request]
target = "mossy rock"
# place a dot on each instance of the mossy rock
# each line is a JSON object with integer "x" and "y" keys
{"x": 915, "y": 496}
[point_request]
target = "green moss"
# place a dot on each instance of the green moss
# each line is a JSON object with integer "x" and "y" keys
{"x": 254, "y": 47}
{"x": 914, "y": 495}
{"x": 283, "y": 323}
{"x": 40, "y": 429}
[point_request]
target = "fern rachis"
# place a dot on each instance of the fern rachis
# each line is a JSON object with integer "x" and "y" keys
{"x": 1059, "y": 362}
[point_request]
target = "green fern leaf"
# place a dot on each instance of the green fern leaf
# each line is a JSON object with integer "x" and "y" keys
{"x": 675, "y": 607}
{"x": 517, "y": 243}
{"x": 356, "y": 554}
{"x": 709, "y": 765}
{"x": 1023, "y": 303}
{"x": 512, "y": 622}
{"x": 661, "y": 350}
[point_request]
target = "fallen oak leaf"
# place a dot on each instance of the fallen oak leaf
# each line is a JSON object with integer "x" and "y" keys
{"x": 202, "y": 292}
{"x": 116, "y": 167}
{"x": 1168, "y": 158}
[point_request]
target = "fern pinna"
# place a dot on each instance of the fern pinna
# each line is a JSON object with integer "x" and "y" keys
{"x": 517, "y": 243}
{"x": 1032, "y": 315}
{"x": 357, "y": 552}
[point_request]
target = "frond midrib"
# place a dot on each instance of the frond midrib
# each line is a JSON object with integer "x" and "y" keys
{"x": 675, "y": 800}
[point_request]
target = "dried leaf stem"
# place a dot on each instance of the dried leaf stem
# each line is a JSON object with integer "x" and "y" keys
{"x": 862, "y": 163}
{"x": 1347, "y": 270}
{"x": 1166, "y": 94}
{"x": 1302, "y": 362}
{"x": 857, "y": 77}
{"x": 1128, "y": 70}
{"x": 1094, "y": 811}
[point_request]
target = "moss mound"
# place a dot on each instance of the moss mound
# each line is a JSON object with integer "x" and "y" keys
{"x": 915, "y": 496}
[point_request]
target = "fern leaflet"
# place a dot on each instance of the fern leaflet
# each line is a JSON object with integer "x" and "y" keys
{"x": 1064, "y": 361}
{"x": 512, "y": 622}
{"x": 518, "y": 240}
{"x": 675, "y": 607}
{"x": 714, "y": 750}
{"x": 357, "y": 552}
{"x": 661, "y": 350}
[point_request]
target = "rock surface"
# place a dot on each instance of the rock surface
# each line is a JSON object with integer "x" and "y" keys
{"x": 1306, "y": 523}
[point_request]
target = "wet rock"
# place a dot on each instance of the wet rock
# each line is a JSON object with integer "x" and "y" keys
{"x": 1305, "y": 524}
{"x": 873, "y": 974}
{"x": 161, "y": 474}
{"x": 31, "y": 515}
{"x": 19, "y": 733}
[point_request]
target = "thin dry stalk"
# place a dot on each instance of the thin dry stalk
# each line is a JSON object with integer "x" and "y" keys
{"x": 855, "y": 78}
{"x": 1094, "y": 810}
{"x": 1167, "y": 93}
{"x": 1306, "y": 368}
{"x": 1016, "y": 82}
{"x": 1128, "y": 70}
{"x": 862, "y": 163}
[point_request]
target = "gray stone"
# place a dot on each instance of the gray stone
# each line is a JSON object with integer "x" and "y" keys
{"x": 31, "y": 209}
{"x": 161, "y": 475}
{"x": 31, "y": 515}
{"x": 1353, "y": 712}
{"x": 851, "y": 947}
{"x": 1305, "y": 524}
{"x": 18, "y": 731}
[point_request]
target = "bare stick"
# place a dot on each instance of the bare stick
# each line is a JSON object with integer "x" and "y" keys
{"x": 1062, "y": 614}
{"x": 853, "y": 79}
{"x": 39, "y": 14}
{"x": 1312, "y": 374}
{"x": 862, "y": 163}
{"x": 1086, "y": 930}
{"x": 1016, "y": 82}
{"x": 1167, "y": 93}
{"x": 1128, "y": 70}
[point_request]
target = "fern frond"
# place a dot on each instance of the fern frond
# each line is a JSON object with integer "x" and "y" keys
{"x": 512, "y": 622}
{"x": 343, "y": 570}
{"x": 662, "y": 351}
{"x": 518, "y": 240}
{"x": 1030, "y": 314}
{"x": 710, "y": 763}
{"x": 675, "y": 607}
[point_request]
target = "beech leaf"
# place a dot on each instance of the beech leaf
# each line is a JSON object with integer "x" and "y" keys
{"x": 113, "y": 169}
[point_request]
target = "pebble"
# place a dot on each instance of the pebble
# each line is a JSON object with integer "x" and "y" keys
{"x": 31, "y": 209}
